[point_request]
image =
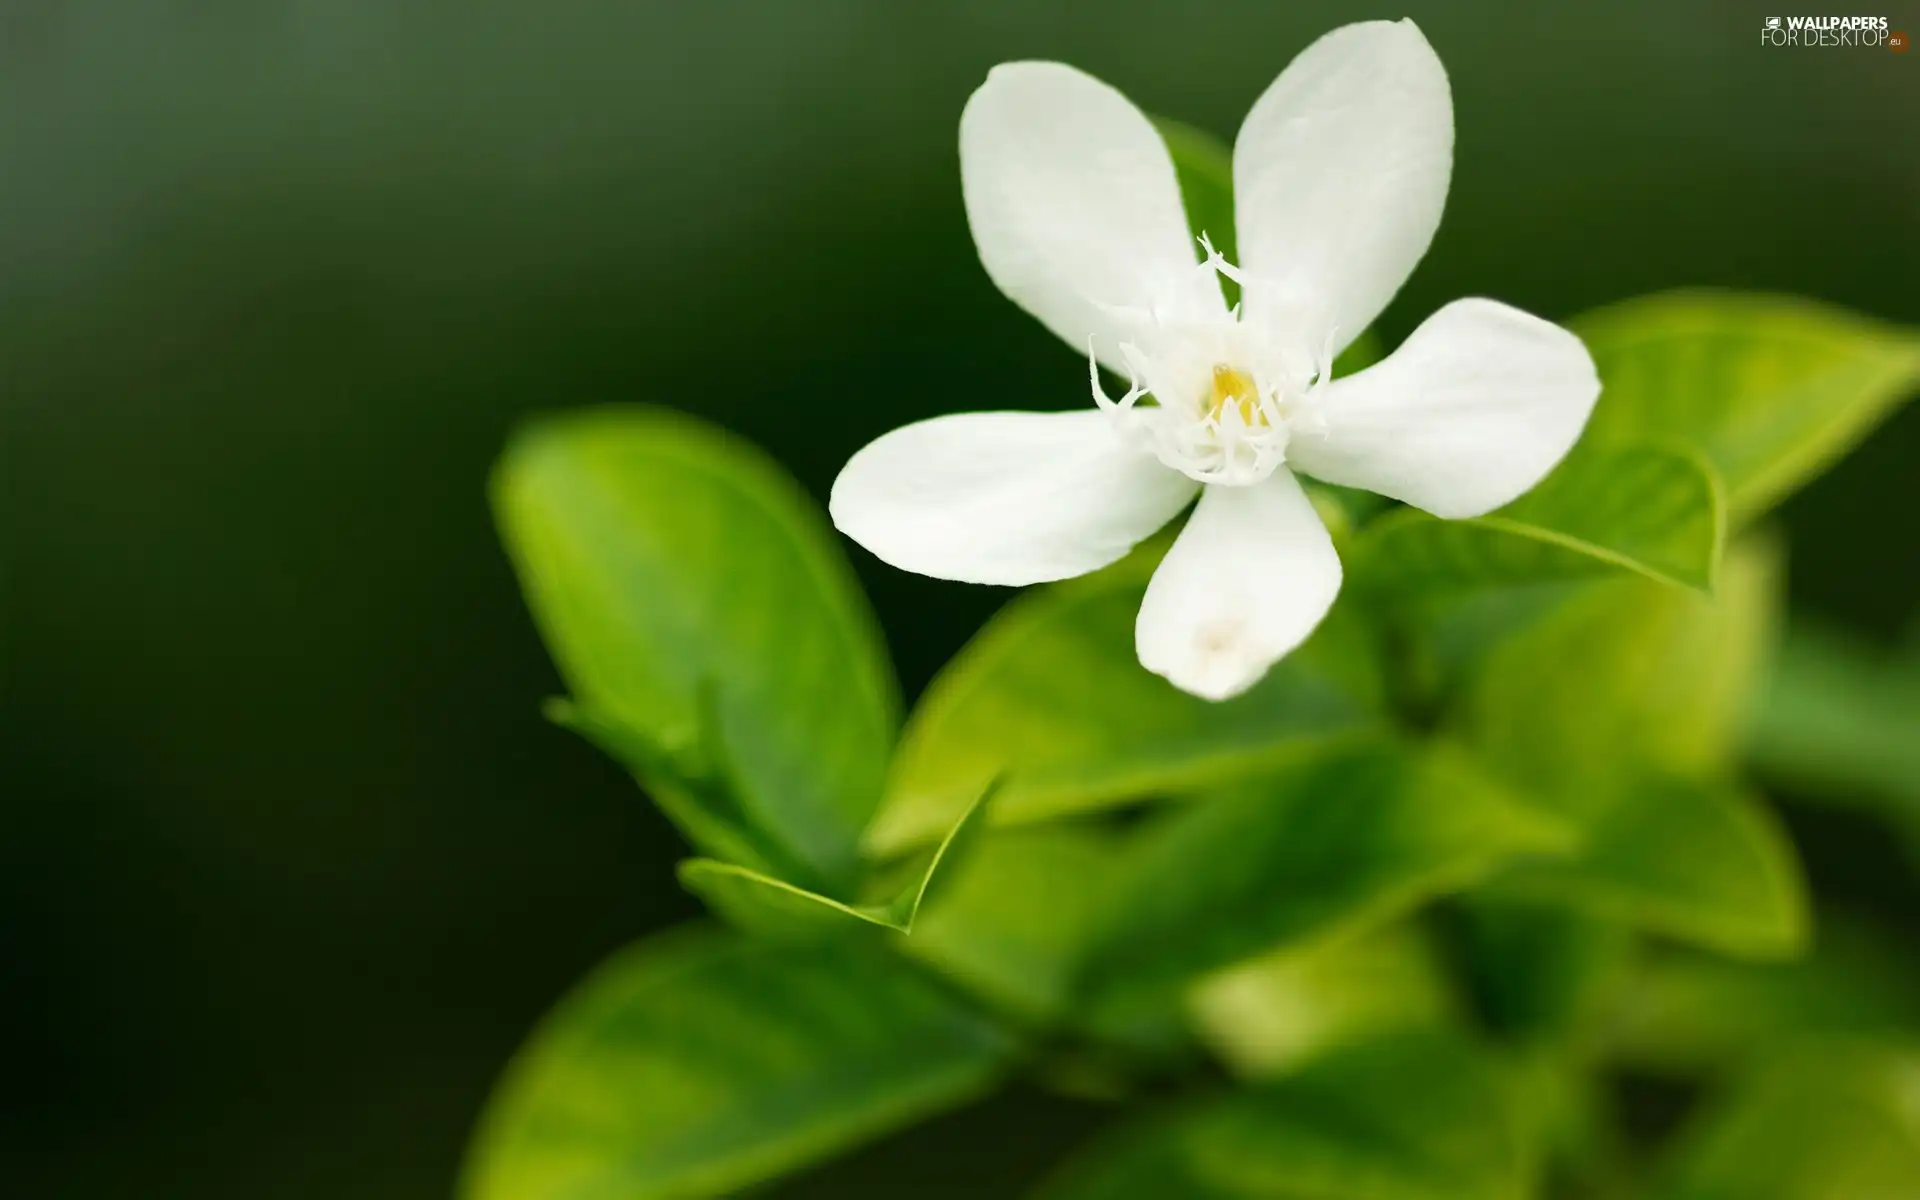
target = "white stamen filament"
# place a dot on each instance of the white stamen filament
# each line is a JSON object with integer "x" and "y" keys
{"x": 1232, "y": 430}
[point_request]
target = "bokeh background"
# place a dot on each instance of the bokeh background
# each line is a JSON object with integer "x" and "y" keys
{"x": 288, "y": 859}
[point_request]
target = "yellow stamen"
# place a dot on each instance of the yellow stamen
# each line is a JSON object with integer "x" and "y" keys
{"x": 1234, "y": 386}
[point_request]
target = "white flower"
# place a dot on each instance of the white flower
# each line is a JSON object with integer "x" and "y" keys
{"x": 1340, "y": 172}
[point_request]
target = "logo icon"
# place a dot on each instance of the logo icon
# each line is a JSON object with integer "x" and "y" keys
{"x": 1773, "y": 22}
{"x": 1897, "y": 41}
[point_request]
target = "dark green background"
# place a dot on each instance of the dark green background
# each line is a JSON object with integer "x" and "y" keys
{"x": 289, "y": 860}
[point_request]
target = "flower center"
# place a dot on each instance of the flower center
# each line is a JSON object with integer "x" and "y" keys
{"x": 1233, "y": 386}
{"x": 1224, "y": 396}
{"x": 1213, "y": 421}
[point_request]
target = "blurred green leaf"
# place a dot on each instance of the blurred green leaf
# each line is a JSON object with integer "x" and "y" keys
{"x": 1651, "y": 509}
{"x": 1543, "y": 974}
{"x": 1361, "y": 353}
{"x": 1418, "y": 1116}
{"x": 1839, "y": 720}
{"x": 1620, "y": 712}
{"x": 772, "y": 907}
{"x": 699, "y": 1063}
{"x": 1695, "y": 860}
{"x": 1051, "y": 695}
{"x": 1568, "y": 1119}
{"x": 1685, "y": 1012}
{"x": 1542, "y": 978}
{"x": 1267, "y": 1016}
{"x": 1313, "y": 852}
{"x": 1623, "y": 675}
{"x": 1014, "y": 920}
{"x": 1822, "y": 1121}
{"x": 1772, "y": 389}
{"x": 698, "y": 607}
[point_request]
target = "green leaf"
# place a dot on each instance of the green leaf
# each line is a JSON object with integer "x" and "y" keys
{"x": 1311, "y": 853}
{"x": 1694, "y": 860}
{"x": 698, "y": 607}
{"x": 690, "y": 787}
{"x": 1625, "y": 675}
{"x": 1269, "y": 1015}
{"x": 1838, "y": 722}
{"x": 1620, "y": 712}
{"x": 1083, "y": 926}
{"x": 1826, "y": 1121}
{"x": 1013, "y": 921}
{"x": 1651, "y": 509}
{"x": 1050, "y": 695}
{"x": 1568, "y": 1117}
{"x": 771, "y": 907}
{"x": 1420, "y": 1116}
{"x": 945, "y": 861}
{"x": 1686, "y": 1013}
{"x": 1103, "y": 930}
{"x": 1772, "y": 389}
{"x": 696, "y": 1064}
{"x": 1544, "y": 975}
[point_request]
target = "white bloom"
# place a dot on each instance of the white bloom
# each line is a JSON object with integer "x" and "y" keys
{"x": 1340, "y": 172}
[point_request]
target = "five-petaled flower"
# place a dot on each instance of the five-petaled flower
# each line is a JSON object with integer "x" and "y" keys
{"x": 1339, "y": 172}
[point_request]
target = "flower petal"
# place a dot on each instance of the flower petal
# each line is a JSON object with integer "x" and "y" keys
{"x": 1004, "y": 497}
{"x": 1470, "y": 412}
{"x": 1075, "y": 207}
{"x": 1247, "y": 580}
{"x": 1339, "y": 175}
